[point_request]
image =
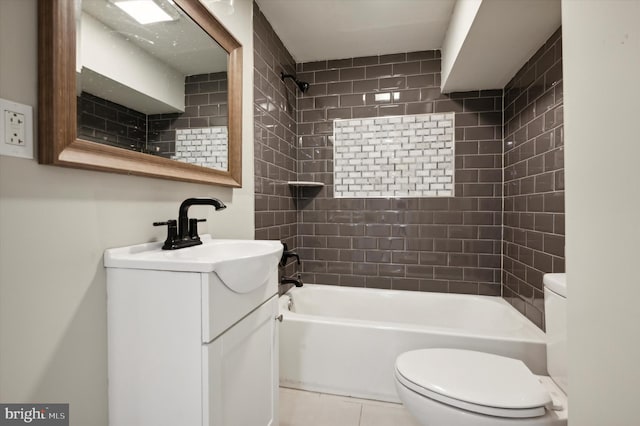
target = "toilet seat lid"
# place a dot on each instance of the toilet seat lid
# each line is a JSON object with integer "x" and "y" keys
{"x": 468, "y": 378}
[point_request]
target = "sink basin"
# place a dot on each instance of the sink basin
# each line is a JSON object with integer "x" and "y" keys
{"x": 242, "y": 265}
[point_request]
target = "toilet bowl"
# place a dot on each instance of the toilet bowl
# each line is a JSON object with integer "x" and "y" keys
{"x": 455, "y": 387}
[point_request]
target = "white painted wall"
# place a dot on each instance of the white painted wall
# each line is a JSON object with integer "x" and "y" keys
{"x": 488, "y": 41}
{"x": 464, "y": 13}
{"x": 55, "y": 224}
{"x": 601, "y": 54}
{"x": 108, "y": 54}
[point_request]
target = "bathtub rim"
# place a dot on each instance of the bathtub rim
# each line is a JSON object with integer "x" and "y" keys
{"x": 391, "y": 325}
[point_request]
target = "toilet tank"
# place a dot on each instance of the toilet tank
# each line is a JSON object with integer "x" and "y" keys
{"x": 555, "y": 309}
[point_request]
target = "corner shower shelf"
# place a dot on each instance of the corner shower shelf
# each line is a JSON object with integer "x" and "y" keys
{"x": 305, "y": 184}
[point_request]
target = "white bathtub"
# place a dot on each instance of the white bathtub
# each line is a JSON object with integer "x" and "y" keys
{"x": 345, "y": 341}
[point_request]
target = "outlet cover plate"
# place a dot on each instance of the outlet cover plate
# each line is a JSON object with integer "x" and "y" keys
{"x": 9, "y": 147}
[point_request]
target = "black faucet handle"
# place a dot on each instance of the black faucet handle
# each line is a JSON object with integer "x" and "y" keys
{"x": 169, "y": 222}
{"x": 172, "y": 233}
{"x": 286, "y": 254}
{"x": 193, "y": 228}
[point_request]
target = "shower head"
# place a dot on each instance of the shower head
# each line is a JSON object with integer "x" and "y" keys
{"x": 302, "y": 85}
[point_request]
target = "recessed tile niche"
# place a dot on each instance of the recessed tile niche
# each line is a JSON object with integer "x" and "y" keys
{"x": 401, "y": 156}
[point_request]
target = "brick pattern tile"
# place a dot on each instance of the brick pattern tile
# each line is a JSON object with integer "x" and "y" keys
{"x": 404, "y": 156}
{"x": 276, "y": 152}
{"x": 453, "y": 244}
{"x": 113, "y": 124}
{"x": 109, "y": 123}
{"x": 205, "y": 106}
{"x": 207, "y": 147}
{"x": 534, "y": 179}
{"x": 425, "y": 244}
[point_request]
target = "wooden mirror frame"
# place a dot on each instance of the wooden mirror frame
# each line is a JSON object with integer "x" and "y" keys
{"x": 58, "y": 142}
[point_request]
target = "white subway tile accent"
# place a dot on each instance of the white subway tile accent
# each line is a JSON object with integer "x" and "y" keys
{"x": 400, "y": 156}
{"x": 207, "y": 147}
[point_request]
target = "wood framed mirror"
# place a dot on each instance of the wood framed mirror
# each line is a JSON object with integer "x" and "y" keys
{"x": 71, "y": 131}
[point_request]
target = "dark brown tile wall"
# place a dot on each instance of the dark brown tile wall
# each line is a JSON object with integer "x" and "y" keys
{"x": 205, "y": 105}
{"x": 534, "y": 179}
{"x": 109, "y": 123}
{"x": 275, "y": 137}
{"x": 426, "y": 244}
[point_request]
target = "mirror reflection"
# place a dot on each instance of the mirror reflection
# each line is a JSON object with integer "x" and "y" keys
{"x": 151, "y": 80}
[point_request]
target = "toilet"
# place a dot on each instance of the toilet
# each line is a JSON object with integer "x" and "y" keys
{"x": 454, "y": 387}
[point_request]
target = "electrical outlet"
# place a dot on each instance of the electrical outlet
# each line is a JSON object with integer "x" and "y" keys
{"x": 16, "y": 129}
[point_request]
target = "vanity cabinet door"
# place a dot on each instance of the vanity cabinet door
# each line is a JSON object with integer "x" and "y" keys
{"x": 154, "y": 348}
{"x": 241, "y": 371}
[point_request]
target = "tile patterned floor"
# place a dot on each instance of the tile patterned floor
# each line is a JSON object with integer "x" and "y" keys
{"x": 302, "y": 408}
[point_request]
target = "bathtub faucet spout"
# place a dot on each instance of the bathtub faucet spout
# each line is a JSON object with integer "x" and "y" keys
{"x": 297, "y": 282}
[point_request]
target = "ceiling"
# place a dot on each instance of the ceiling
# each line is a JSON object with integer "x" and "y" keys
{"x": 181, "y": 44}
{"x": 335, "y": 29}
{"x": 501, "y": 36}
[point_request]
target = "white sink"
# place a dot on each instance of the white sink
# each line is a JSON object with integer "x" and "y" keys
{"x": 242, "y": 265}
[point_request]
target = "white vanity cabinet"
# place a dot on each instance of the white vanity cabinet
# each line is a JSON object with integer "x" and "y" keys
{"x": 185, "y": 349}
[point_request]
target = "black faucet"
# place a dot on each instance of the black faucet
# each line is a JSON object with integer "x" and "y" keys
{"x": 184, "y": 232}
{"x": 297, "y": 282}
